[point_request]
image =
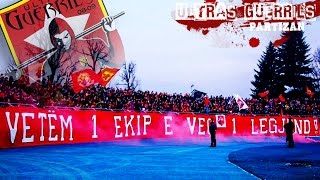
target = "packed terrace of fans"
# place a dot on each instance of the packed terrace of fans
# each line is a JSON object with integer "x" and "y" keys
{"x": 13, "y": 93}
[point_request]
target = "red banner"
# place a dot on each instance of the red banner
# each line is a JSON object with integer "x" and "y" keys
{"x": 50, "y": 41}
{"x": 25, "y": 126}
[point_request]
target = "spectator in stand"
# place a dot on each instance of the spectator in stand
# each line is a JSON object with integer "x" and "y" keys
{"x": 97, "y": 96}
{"x": 206, "y": 102}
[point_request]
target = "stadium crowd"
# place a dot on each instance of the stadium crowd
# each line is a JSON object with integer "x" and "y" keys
{"x": 20, "y": 92}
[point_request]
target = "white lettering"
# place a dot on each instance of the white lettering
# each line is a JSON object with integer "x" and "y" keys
{"x": 138, "y": 125}
{"x": 252, "y": 26}
{"x": 220, "y": 11}
{"x": 252, "y": 128}
{"x": 94, "y": 119}
{"x": 201, "y": 122}
{"x": 52, "y": 127}
{"x": 259, "y": 27}
{"x": 200, "y": 11}
{"x": 298, "y": 127}
{"x": 25, "y": 139}
{"x": 272, "y": 126}
{"x": 208, "y": 125}
{"x": 181, "y": 11}
{"x": 234, "y": 126}
{"x": 13, "y": 131}
{"x": 167, "y": 125}
{"x": 127, "y": 124}
{"x": 191, "y": 126}
{"x": 307, "y": 126}
{"x": 285, "y": 26}
{"x": 65, "y": 124}
{"x": 283, "y": 123}
{"x": 267, "y": 27}
{"x": 300, "y": 26}
{"x": 280, "y": 26}
{"x": 262, "y": 125}
{"x": 315, "y": 122}
{"x": 117, "y": 118}
{"x": 42, "y": 116}
{"x": 145, "y": 118}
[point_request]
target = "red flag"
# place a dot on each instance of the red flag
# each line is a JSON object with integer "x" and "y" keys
{"x": 281, "y": 98}
{"x": 83, "y": 79}
{"x": 309, "y": 92}
{"x": 106, "y": 75}
{"x": 264, "y": 94}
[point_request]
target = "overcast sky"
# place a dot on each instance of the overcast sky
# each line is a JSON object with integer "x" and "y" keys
{"x": 170, "y": 58}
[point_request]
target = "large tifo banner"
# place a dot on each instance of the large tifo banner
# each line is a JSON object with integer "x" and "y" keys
{"x": 61, "y": 42}
{"x": 25, "y": 126}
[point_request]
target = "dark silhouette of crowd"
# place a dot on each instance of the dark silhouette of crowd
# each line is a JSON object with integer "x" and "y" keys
{"x": 22, "y": 92}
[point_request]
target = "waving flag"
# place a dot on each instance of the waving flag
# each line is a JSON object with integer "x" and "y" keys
{"x": 240, "y": 102}
{"x": 106, "y": 75}
{"x": 309, "y": 92}
{"x": 264, "y": 94}
{"x": 83, "y": 79}
{"x": 198, "y": 94}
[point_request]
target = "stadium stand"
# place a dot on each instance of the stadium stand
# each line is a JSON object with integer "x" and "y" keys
{"x": 21, "y": 92}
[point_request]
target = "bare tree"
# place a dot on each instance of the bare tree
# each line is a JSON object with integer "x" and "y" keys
{"x": 316, "y": 68}
{"x": 97, "y": 51}
{"x": 128, "y": 76}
